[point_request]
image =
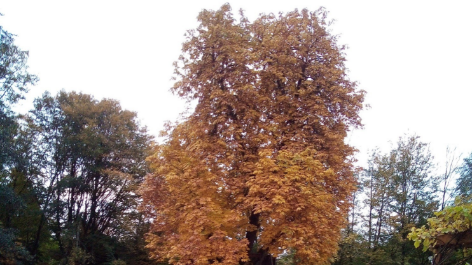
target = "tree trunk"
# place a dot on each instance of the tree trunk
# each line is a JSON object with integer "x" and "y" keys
{"x": 257, "y": 256}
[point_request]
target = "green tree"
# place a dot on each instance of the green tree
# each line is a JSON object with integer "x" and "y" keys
{"x": 464, "y": 182}
{"x": 14, "y": 83}
{"x": 10, "y": 204}
{"x": 91, "y": 156}
{"x": 261, "y": 167}
{"x": 400, "y": 190}
{"x": 377, "y": 179}
{"x": 413, "y": 189}
{"x": 353, "y": 246}
{"x": 14, "y": 76}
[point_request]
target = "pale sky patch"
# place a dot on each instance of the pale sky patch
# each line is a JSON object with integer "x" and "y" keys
{"x": 412, "y": 57}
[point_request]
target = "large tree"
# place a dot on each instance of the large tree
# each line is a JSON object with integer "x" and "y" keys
{"x": 14, "y": 83}
{"x": 260, "y": 168}
{"x": 14, "y": 76}
{"x": 91, "y": 155}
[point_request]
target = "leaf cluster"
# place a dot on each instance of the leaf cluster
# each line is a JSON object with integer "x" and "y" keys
{"x": 453, "y": 220}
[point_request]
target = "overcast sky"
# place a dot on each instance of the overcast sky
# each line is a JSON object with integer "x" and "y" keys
{"x": 412, "y": 57}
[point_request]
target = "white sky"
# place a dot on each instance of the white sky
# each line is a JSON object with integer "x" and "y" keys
{"x": 412, "y": 57}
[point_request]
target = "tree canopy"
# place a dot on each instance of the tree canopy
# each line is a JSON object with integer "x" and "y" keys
{"x": 90, "y": 157}
{"x": 14, "y": 83}
{"x": 398, "y": 188}
{"x": 260, "y": 169}
{"x": 14, "y": 75}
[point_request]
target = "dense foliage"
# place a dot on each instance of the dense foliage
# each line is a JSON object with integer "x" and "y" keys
{"x": 261, "y": 167}
{"x": 73, "y": 194}
{"x": 69, "y": 173}
{"x": 398, "y": 193}
{"x": 448, "y": 234}
{"x": 399, "y": 210}
{"x": 91, "y": 158}
{"x": 14, "y": 82}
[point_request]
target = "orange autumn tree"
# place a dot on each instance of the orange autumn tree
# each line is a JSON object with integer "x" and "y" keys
{"x": 260, "y": 169}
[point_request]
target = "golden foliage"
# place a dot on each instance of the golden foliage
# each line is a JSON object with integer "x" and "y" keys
{"x": 261, "y": 166}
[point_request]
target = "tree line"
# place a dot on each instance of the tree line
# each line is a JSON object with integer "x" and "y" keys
{"x": 69, "y": 173}
{"x": 400, "y": 191}
{"x": 258, "y": 174}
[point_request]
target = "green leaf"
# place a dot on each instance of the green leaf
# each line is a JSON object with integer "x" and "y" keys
{"x": 417, "y": 243}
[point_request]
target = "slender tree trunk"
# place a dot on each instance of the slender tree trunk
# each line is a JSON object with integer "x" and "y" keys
{"x": 34, "y": 249}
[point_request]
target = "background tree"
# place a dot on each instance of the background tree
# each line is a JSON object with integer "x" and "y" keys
{"x": 260, "y": 168}
{"x": 14, "y": 190}
{"x": 10, "y": 205}
{"x": 91, "y": 156}
{"x": 353, "y": 250}
{"x": 14, "y": 83}
{"x": 352, "y": 246}
{"x": 378, "y": 179}
{"x": 399, "y": 191}
{"x": 464, "y": 182}
{"x": 412, "y": 191}
{"x": 451, "y": 166}
{"x": 14, "y": 76}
